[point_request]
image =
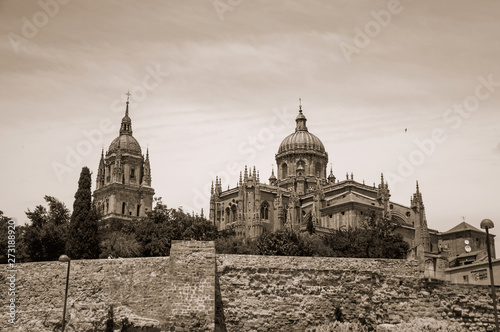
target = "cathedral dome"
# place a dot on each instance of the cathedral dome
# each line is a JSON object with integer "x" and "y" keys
{"x": 125, "y": 143}
{"x": 301, "y": 139}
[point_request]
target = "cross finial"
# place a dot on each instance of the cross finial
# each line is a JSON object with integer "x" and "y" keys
{"x": 300, "y": 104}
{"x": 128, "y": 96}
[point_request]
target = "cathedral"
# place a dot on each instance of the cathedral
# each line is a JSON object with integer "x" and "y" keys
{"x": 302, "y": 192}
{"x": 123, "y": 185}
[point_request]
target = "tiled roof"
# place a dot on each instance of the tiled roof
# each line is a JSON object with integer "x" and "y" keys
{"x": 463, "y": 226}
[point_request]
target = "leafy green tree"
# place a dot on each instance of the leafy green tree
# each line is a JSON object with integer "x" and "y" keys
{"x": 4, "y": 240}
{"x": 156, "y": 231}
{"x": 310, "y": 227}
{"x": 83, "y": 241}
{"x": 375, "y": 238}
{"x": 230, "y": 243}
{"x": 120, "y": 244}
{"x": 282, "y": 243}
{"x": 45, "y": 237}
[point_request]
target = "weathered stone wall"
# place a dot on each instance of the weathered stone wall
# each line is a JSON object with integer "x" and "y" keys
{"x": 188, "y": 292}
{"x": 264, "y": 293}
{"x": 143, "y": 294}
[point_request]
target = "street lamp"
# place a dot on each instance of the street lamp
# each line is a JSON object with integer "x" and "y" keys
{"x": 64, "y": 259}
{"x": 487, "y": 224}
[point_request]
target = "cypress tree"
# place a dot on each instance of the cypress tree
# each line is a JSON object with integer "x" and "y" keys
{"x": 83, "y": 239}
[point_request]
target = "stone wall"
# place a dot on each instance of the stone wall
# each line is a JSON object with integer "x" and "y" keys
{"x": 265, "y": 293}
{"x": 193, "y": 290}
{"x": 136, "y": 294}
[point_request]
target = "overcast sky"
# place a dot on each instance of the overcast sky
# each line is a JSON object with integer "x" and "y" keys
{"x": 410, "y": 89}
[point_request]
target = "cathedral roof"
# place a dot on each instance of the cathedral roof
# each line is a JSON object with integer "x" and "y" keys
{"x": 301, "y": 139}
{"x": 125, "y": 142}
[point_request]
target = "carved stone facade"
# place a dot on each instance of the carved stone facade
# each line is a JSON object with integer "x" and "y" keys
{"x": 302, "y": 192}
{"x": 123, "y": 185}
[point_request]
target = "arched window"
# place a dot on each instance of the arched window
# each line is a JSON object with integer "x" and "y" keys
{"x": 264, "y": 210}
{"x": 284, "y": 170}
{"x": 317, "y": 170}
{"x": 233, "y": 213}
{"x": 227, "y": 214}
{"x": 123, "y": 208}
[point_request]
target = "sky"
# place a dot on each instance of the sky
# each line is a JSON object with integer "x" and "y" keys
{"x": 406, "y": 88}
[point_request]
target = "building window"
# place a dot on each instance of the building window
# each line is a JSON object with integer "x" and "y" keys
{"x": 123, "y": 208}
{"x": 132, "y": 173}
{"x": 466, "y": 279}
{"x": 123, "y": 178}
{"x": 284, "y": 170}
{"x": 233, "y": 213}
{"x": 138, "y": 209}
{"x": 317, "y": 168}
{"x": 264, "y": 210}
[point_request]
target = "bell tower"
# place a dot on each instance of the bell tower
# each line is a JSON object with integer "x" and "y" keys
{"x": 123, "y": 185}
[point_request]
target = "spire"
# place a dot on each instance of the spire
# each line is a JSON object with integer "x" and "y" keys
{"x": 128, "y": 100}
{"x": 272, "y": 178}
{"x": 126, "y": 127}
{"x": 246, "y": 174}
{"x": 241, "y": 182}
{"x": 331, "y": 177}
{"x": 146, "y": 180}
{"x": 418, "y": 191}
{"x": 258, "y": 179}
{"x": 212, "y": 189}
{"x": 300, "y": 119}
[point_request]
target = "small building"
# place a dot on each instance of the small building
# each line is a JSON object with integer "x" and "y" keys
{"x": 477, "y": 273}
{"x": 464, "y": 240}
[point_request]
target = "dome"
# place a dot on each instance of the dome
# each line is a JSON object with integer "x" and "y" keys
{"x": 126, "y": 143}
{"x": 301, "y": 139}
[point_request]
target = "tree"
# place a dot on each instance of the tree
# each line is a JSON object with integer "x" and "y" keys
{"x": 4, "y": 237}
{"x": 375, "y": 238}
{"x": 83, "y": 241}
{"x": 282, "y": 243}
{"x": 45, "y": 237}
{"x": 310, "y": 227}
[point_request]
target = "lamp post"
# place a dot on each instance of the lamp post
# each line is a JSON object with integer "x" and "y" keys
{"x": 64, "y": 259}
{"x": 487, "y": 224}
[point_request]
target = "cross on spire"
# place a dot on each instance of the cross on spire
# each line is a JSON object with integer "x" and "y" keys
{"x": 300, "y": 104}
{"x": 128, "y": 96}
